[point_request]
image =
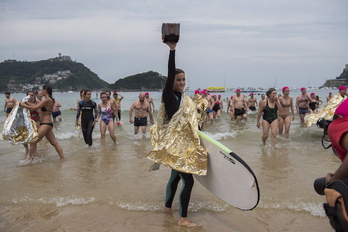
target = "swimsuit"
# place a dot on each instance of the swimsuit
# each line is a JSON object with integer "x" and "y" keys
{"x": 313, "y": 105}
{"x": 304, "y": 110}
{"x": 106, "y": 114}
{"x": 8, "y": 110}
{"x": 140, "y": 121}
{"x": 56, "y": 114}
{"x": 270, "y": 114}
{"x": 34, "y": 115}
{"x": 87, "y": 119}
{"x": 252, "y": 108}
{"x": 208, "y": 111}
{"x": 216, "y": 107}
{"x": 46, "y": 123}
{"x": 284, "y": 116}
{"x": 239, "y": 112}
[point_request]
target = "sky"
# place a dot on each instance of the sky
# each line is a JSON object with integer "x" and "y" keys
{"x": 232, "y": 43}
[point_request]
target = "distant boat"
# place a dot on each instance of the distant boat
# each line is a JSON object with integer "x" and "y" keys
{"x": 71, "y": 91}
{"x": 219, "y": 89}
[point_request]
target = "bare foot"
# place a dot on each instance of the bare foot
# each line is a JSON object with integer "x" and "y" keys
{"x": 167, "y": 210}
{"x": 26, "y": 161}
{"x": 185, "y": 222}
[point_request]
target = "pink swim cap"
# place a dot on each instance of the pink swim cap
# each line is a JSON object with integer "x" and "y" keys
{"x": 342, "y": 109}
{"x": 303, "y": 89}
{"x": 197, "y": 91}
{"x": 146, "y": 93}
{"x": 284, "y": 88}
{"x": 312, "y": 93}
{"x": 342, "y": 88}
{"x": 330, "y": 93}
{"x": 251, "y": 94}
{"x": 237, "y": 90}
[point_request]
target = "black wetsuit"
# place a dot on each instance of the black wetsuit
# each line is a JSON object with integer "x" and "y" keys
{"x": 87, "y": 119}
{"x": 172, "y": 99}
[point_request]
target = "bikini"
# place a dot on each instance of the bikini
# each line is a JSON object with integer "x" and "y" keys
{"x": 284, "y": 106}
{"x": 270, "y": 114}
{"x": 43, "y": 109}
{"x": 106, "y": 114}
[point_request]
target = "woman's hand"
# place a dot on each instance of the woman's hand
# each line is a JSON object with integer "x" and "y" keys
{"x": 172, "y": 45}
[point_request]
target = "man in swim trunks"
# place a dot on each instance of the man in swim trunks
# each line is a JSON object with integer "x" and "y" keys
{"x": 252, "y": 102}
{"x": 239, "y": 106}
{"x": 118, "y": 104}
{"x": 10, "y": 102}
{"x": 150, "y": 100}
{"x": 302, "y": 104}
{"x": 56, "y": 112}
{"x": 209, "y": 110}
{"x": 142, "y": 111}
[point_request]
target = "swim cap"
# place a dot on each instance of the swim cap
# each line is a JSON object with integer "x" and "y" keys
{"x": 303, "y": 89}
{"x": 284, "y": 88}
{"x": 342, "y": 88}
{"x": 197, "y": 91}
{"x": 146, "y": 93}
{"x": 251, "y": 94}
{"x": 237, "y": 90}
{"x": 342, "y": 109}
{"x": 330, "y": 93}
{"x": 312, "y": 93}
{"x": 219, "y": 95}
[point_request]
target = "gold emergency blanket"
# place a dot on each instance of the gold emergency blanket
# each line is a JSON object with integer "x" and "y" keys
{"x": 201, "y": 105}
{"x": 19, "y": 128}
{"x": 327, "y": 112}
{"x": 176, "y": 143}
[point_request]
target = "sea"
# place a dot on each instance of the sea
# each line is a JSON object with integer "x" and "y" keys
{"x": 111, "y": 188}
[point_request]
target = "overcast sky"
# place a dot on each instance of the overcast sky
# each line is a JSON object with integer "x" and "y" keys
{"x": 236, "y": 43}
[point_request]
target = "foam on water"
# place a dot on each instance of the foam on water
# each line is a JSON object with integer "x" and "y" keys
{"x": 59, "y": 202}
{"x": 193, "y": 207}
{"x": 224, "y": 135}
{"x": 315, "y": 209}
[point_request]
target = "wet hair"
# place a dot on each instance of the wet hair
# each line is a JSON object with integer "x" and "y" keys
{"x": 7, "y": 93}
{"x": 269, "y": 92}
{"x": 102, "y": 93}
{"x": 49, "y": 91}
{"x": 82, "y": 92}
{"x": 178, "y": 71}
{"x": 29, "y": 92}
{"x": 85, "y": 92}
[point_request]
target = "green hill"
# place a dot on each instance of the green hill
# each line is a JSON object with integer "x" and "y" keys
{"x": 148, "y": 81}
{"x": 61, "y": 74}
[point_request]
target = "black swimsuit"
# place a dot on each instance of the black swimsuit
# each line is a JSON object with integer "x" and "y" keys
{"x": 270, "y": 114}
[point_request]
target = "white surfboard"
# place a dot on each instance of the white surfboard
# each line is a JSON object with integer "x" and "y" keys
{"x": 228, "y": 176}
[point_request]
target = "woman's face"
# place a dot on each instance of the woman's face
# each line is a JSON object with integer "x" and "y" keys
{"x": 286, "y": 91}
{"x": 273, "y": 95}
{"x": 179, "y": 82}
{"x": 88, "y": 95}
{"x": 104, "y": 97}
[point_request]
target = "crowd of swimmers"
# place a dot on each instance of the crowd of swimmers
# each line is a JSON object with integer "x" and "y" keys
{"x": 277, "y": 111}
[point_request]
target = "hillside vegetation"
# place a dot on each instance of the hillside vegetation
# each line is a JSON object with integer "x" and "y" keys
{"x": 30, "y": 73}
{"x": 150, "y": 81}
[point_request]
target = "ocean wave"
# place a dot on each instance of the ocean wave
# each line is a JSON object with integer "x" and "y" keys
{"x": 194, "y": 207}
{"x": 59, "y": 202}
{"x": 223, "y": 136}
{"x": 315, "y": 209}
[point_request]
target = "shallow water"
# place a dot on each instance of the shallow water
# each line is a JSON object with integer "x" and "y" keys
{"x": 111, "y": 188}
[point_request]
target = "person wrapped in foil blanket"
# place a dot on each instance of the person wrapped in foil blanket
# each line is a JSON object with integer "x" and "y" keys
{"x": 19, "y": 128}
